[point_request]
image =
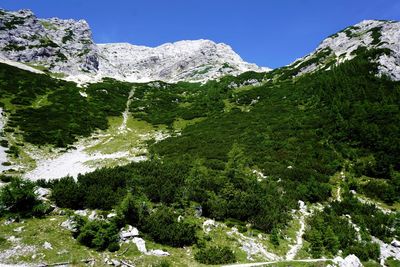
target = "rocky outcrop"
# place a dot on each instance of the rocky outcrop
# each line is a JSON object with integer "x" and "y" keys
{"x": 343, "y": 46}
{"x": 197, "y": 60}
{"x": 67, "y": 47}
{"x": 63, "y": 46}
{"x": 349, "y": 261}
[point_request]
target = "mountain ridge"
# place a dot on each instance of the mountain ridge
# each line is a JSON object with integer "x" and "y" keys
{"x": 66, "y": 48}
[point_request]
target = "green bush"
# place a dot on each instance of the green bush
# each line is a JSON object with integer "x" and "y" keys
{"x": 163, "y": 226}
{"x": 215, "y": 255}
{"x": 163, "y": 263}
{"x": 19, "y": 198}
{"x": 99, "y": 235}
{"x": 67, "y": 194}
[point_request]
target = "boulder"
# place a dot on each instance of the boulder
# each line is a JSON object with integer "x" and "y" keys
{"x": 349, "y": 261}
{"x": 128, "y": 233}
{"x": 83, "y": 213}
{"x": 47, "y": 245}
{"x": 158, "y": 253}
{"x": 42, "y": 193}
{"x": 93, "y": 216}
{"x": 69, "y": 224}
{"x": 208, "y": 225}
{"x": 140, "y": 244}
{"x": 115, "y": 262}
{"x": 395, "y": 243}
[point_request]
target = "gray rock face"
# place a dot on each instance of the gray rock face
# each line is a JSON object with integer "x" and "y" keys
{"x": 64, "y": 46}
{"x": 193, "y": 60}
{"x": 343, "y": 46}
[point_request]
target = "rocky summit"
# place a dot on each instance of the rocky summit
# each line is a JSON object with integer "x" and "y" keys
{"x": 61, "y": 46}
{"x": 382, "y": 36}
{"x": 66, "y": 47}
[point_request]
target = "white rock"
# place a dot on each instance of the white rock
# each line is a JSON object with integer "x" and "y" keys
{"x": 9, "y": 221}
{"x": 340, "y": 47}
{"x": 69, "y": 224}
{"x": 208, "y": 225}
{"x": 19, "y": 229}
{"x": 45, "y": 42}
{"x": 42, "y": 193}
{"x": 111, "y": 215}
{"x": 128, "y": 233}
{"x": 140, "y": 244}
{"x": 116, "y": 262}
{"x": 349, "y": 261}
{"x": 159, "y": 253}
{"x": 83, "y": 213}
{"x": 47, "y": 245}
{"x": 67, "y": 46}
{"x": 93, "y": 216}
{"x": 387, "y": 250}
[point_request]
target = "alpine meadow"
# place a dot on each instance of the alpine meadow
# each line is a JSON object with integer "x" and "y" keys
{"x": 186, "y": 155}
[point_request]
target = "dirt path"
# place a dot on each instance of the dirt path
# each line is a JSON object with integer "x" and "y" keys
{"x": 125, "y": 115}
{"x": 291, "y": 254}
{"x": 274, "y": 262}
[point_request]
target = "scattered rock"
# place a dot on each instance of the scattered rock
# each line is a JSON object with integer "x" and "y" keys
{"x": 391, "y": 250}
{"x": 19, "y": 229}
{"x": 208, "y": 225}
{"x": 126, "y": 234}
{"x": 64, "y": 251}
{"x": 9, "y": 221}
{"x": 83, "y": 213}
{"x": 47, "y": 245}
{"x": 13, "y": 239}
{"x": 198, "y": 211}
{"x": 349, "y": 261}
{"x": 93, "y": 216}
{"x": 42, "y": 193}
{"x": 111, "y": 215}
{"x": 116, "y": 263}
{"x": 252, "y": 246}
{"x": 140, "y": 244}
{"x": 159, "y": 253}
{"x": 69, "y": 224}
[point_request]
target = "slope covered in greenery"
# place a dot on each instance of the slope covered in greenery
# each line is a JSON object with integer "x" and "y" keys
{"x": 256, "y": 151}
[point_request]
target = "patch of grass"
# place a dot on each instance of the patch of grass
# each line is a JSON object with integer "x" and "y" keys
{"x": 180, "y": 124}
{"x": 48, "y": 25}
{"x": 132, "y": 139}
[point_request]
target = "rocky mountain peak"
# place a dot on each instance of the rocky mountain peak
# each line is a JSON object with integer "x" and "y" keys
{"x": 383, "y": 36}
{"x": 63, "y": 46}
{"x": 66, "y": 47}
{"x": 191, "y": 60}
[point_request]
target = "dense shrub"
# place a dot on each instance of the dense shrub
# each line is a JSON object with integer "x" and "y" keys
{"x": 163, "y": 226}
{"x": 19, "y": 198}
{"x": 215, "y": 255}
{"x": 99, "y": 235}
{"x": 67, "y": 194}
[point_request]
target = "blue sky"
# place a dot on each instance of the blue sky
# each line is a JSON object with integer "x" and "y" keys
{"x": 267, "y": 32}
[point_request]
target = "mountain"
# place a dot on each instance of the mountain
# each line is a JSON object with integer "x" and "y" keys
{"x": 381, "y": 36}
{"x": 66, "y": 48}
{"x": 297, "y": 163}
{"x": 62, "y": 46}
{"x": 198, "y": 60}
